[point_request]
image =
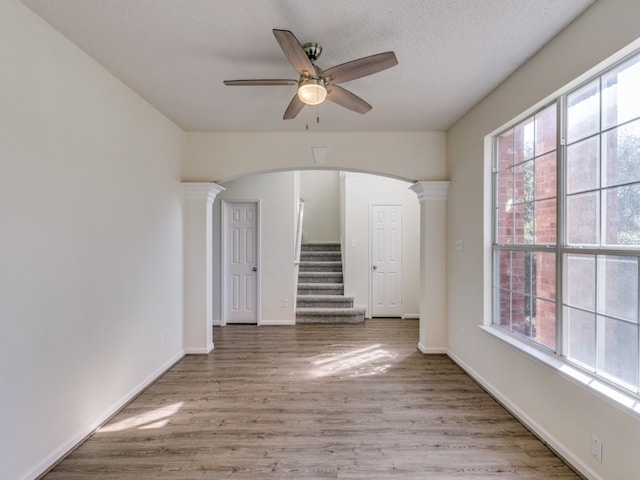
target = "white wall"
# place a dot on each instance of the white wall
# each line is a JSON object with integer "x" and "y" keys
{"x": 360, "y": 191}
{"x": 564, "y": 413}
{"x": 277, "y": 194}
{"x": 321, "y": 194}
{"x": 91, "y": 243}
{"x": 220, "y": 156}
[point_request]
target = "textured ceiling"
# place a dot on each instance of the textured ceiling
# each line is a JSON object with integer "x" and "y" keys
{"x": 176, "y": 54}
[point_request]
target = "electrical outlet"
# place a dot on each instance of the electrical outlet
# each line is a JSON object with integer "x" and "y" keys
{"x": 596, "y": 448}
{"x": 166, "y": 335}
{"x": 285, "y": 303}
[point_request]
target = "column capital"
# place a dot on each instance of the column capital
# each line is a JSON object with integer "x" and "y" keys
{"x": 431, "y": 190}
{"x": 200, "y": 191}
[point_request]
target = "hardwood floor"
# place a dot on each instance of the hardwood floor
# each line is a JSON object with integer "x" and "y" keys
{"x": 314, "y": 402}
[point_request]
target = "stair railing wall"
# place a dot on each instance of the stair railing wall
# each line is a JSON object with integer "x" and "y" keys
{"x": 296, "y": 262}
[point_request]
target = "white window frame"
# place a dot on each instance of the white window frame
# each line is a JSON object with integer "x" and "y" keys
{"x": 611, "y": 391}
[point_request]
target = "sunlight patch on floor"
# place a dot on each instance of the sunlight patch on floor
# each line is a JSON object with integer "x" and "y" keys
{"x": 359, "y": 362}
{"x": 156, "y": 418}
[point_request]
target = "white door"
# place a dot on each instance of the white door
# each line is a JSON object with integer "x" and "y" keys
{"x": 240, "y": 262}
{"x": 386, "y": 261}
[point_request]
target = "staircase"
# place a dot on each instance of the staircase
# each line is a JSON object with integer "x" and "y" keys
{"x": 321, "y": 296}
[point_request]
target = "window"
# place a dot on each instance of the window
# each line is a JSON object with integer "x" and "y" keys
{"x": 525, "y": 206}
{"x": 567, "y": 226}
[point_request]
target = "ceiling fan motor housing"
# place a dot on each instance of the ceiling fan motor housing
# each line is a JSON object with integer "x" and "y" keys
{"x": 313, "y": 50}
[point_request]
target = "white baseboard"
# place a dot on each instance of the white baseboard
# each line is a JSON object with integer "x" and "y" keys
{"x": 552, "y": 442}
{"x": 411, "y": 315}
{"x": 431, "y": 350}
{"x": 199, "y": 351}
{"x": 74, "y": 441}
{"x": 277, "y": 322}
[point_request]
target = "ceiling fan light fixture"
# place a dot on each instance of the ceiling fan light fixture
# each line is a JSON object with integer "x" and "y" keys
{"x": 312, "y": 91}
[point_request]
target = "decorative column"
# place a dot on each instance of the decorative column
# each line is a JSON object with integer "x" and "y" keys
{"x": 198, "y": 265}
{"x": 433, "y": 283}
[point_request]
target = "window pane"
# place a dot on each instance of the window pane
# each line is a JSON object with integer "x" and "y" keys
{"x": 581, "y": 336}
{"x": 505, "y": 225}
{"x": 619, "y": 347}
{"x": 543, "y": 323}
{"x": 546, "y": 176}
{"x": 621, "y": 93}
{"x": 518, "y": 272}
{"x": 522, "y": 278}
{"x": 504, "y": 308}
{"x": 518, "y": 315}
{"x": 529, "y": 314}
{"x": 504, "y": 269}
{"x": 583, "y": 214}
{"x": 618, "y": 287}
{"x": 622, "y": 211}
{"x": 530, "y": 273}
{"x": 583, "y": 112}
{"x": 580, "y": 281}
{"x": 523, "y": 182}
{"x": 621, "y": 155}
{"x": 582, "y": 165}
{"x": 544, "y": 274}
{"x": 545, "y": 127}
{"x": 505, "y": 150}
{"x": 545, "y": 222}
{"x": 524, "y": 227}
{"x": 504, "y": 199}
{"x": 524, "y": 138}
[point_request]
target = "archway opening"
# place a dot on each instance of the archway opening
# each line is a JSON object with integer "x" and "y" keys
{"x": 337, "y": 209}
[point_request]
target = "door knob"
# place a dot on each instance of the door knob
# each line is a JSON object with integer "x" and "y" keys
{"x": 375, "y": 267}
{"x": 255, "y": 269}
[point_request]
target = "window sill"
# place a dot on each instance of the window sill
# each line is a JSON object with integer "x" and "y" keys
{"x": 625, "y": 401}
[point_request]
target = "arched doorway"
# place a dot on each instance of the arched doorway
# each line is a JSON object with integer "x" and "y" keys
{"x": 337, "y": 209}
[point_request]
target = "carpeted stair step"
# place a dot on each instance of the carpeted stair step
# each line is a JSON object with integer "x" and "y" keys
{"x": 320, "y": 289}
{"x": 323, "y": 247}
{"x": 325, "y": 301}
{"x": 319, "y": 256}
{"x": 320, "y": 266}
{"x": 320, "y": 277}
{"x": 330, "y": 315}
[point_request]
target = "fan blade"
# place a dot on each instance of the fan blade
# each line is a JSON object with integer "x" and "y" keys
{"x": 294, "y": 52}
{"x": 294, "y": 108}
{"x": 360, "y": 68}
{"x": 347, "y": 99}
{"x": 276, "y": 82}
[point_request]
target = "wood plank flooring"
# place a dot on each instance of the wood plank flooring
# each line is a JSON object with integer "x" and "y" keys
{"x": 314, "y": 402}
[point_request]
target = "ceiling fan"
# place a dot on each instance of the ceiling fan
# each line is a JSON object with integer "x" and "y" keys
{"x": 315, "y": 85}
